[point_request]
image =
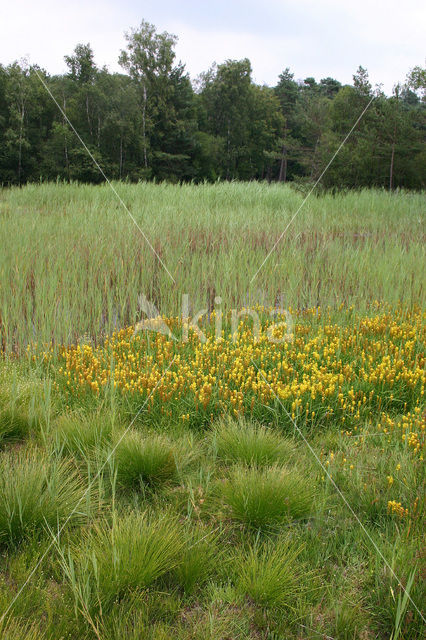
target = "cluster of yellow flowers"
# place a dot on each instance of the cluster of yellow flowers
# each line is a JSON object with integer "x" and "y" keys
{"x": 331, "y": 370}
{"x": 410, "y": 428}
{"x": 397, "y": 509}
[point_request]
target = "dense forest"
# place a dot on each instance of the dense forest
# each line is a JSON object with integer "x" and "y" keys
{"x": 151, "y": 122}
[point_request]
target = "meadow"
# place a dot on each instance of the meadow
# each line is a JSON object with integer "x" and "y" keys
{"x": 261, "y": 484}
{"x": 73, "y": 263}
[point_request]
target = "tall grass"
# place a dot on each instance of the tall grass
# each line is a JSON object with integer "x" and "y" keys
{"x": 12, "y": 629}
{"x": 73, "y": 263}
{"x": 37, "y": 492}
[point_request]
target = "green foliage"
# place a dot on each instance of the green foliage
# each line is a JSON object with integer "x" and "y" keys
{"x": 129, "y": 555}
{"x": 81, "y": 65}
{"x": 201, "y": 559}
{"x": 246, "y": 117}
{"x": 270, "y": 575}
{"x": 79, "y": 433}
{"x": 37, "y": 492}
{"x": 150, "y": 123}
{"x": 166, "y": 103}
{"x": 153, "y": 460}
{"x": 251, "y": 444}
{"x": 267, "y": 497}
{"x": 13, "y": 629}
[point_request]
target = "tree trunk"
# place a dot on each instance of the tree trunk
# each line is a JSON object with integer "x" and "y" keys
{"x": 144, "y": 127}
{"x": 228, "y": 149}
{"x": 391, "y": 166}
{"x": 283, "y": 166}
{"x": 121, "y": 155}
{"x": 394, "y": 140}
{"x": 21, "y": 130}
{"x": 88, "y": 115}
{"x": 313, "y": 163}
{"x": 67, "y": 162}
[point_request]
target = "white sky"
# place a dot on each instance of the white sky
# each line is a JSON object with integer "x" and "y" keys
{"x": 314, "y": 38}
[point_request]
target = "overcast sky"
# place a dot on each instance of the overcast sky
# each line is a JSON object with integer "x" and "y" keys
{"x": 313, "y": 37}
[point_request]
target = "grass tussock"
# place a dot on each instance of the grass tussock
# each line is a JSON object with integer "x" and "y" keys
{"x": 152, "y": 460}
{"x": 37, "y": 492}
{"x": 251, "y": 444}
{"x": 267, "y": 497}
{"x": 14, "y": 425}
{"x": 202, "y": 558}
{"x": 270, "y": 575}
{"x": 129, "y": 555}
{"x": 215, "y": 623}
{"x": 24, "y": 401}
{"x": 80, "y": 434}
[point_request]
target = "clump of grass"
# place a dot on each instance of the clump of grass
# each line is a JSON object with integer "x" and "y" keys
{"x": 21, "y": 403}
{"x": 251, "y": 444}
{"x": 12, "y": 629}
{"x": 129, "y": 619}
{"x": 152, "y": 460}
{"x": 211, "y": 623}
{"x": 266, "y": 497}
{"x": 14, "y": 425}
{"x": 129, "y": 555}
{"x": 79, "y": 434}
{"x": 270, "y": 575}
{"x": 35, "y": 492}
{"x": 201, "y": 558}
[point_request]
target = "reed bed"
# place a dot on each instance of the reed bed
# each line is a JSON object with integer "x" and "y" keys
{"x": 73, "y": 263}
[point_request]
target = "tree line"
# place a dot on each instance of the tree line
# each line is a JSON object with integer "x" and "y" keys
{"x": 151, "y": 122}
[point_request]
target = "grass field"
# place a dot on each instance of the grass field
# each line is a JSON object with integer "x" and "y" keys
{"x": 267, "y": 483}
{"x": 74, "y": 263}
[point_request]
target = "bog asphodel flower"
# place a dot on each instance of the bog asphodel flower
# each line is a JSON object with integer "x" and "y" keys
{"x": 332, "y": 372}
